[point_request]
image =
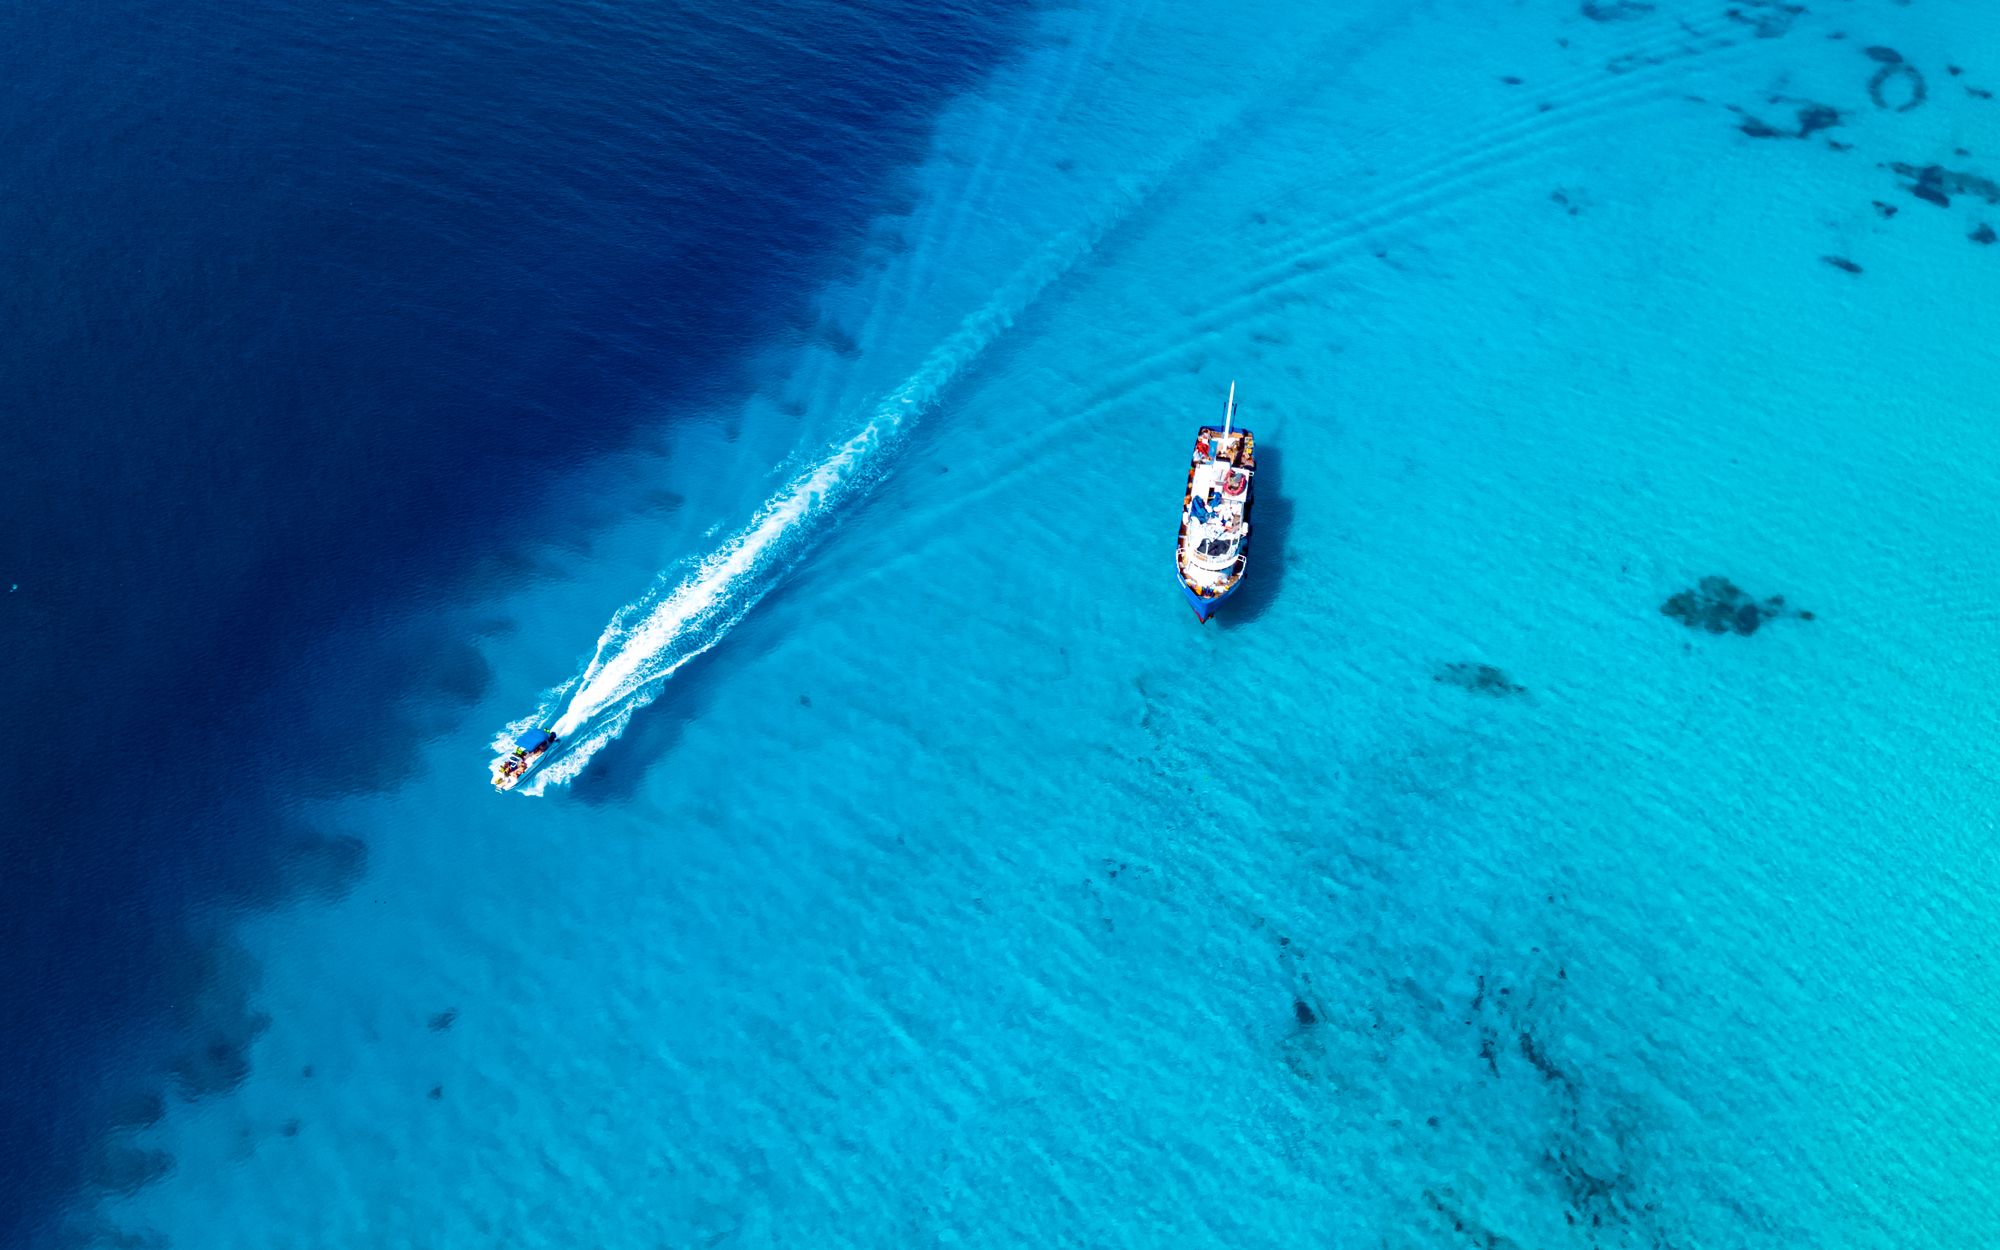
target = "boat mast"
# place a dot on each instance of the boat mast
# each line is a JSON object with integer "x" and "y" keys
{"x": 1229, "y": 414}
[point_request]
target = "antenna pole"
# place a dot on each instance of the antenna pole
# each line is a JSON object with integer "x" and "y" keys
{"x": 1229, "y": 414}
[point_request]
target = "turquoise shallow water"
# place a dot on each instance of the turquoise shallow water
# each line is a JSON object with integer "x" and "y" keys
{"x": 967, "y": 892}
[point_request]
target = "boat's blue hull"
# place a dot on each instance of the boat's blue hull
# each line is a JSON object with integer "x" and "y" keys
{"x": 1205, "y": 607}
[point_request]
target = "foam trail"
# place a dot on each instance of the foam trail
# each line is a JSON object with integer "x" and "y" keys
{"x": 649, "y": 639}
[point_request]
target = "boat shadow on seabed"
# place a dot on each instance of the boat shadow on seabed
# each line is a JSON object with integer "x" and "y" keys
{"x": 1270, "y": 518}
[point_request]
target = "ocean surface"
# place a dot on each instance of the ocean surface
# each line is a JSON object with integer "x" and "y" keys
{"x": 1578, "y": 833}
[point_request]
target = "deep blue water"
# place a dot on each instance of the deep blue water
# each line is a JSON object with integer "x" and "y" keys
{"x": 795, "y": 408}
{"x": 304, "y": 304}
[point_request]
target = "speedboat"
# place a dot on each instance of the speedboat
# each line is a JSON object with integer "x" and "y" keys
{"x": 513, "y": 765}
{"x": 1215, "y": 513}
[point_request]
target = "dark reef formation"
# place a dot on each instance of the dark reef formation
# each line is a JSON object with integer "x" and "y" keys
{"x": 443, "y": 1019}
{"x": 1596, "y": 1149}
{"x": 141, "y": 1109}
{"x": 1898, "y": 85}
{"x": 1817, "y": 117}
{"x": 1812, "y": 117}
{"x": 1983, "y": 235}
{"x": 1936, "y": 185}
{"x": 128, "y": 1169}
{"x": 1719, "y": 606}
{"x": 1615, "y": 10}
{"x": 1841, "y": 262}
{"x": 222, "y": 1062}
{"x": 1770, "y": 19}
{"x": 1479, "y": 678}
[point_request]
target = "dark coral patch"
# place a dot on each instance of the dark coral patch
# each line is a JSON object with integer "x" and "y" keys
{"x": 437, "y": 1093}
{"x": 1811, "y": 115}
{"x": 1817, "y": 117}
{"x": 1719, "y": 606}
{"x": 138, "y": 1110}
{"x": 1937, "y": 184}
{"x": 1489, "y": 1050}
{"x": 1303, "y": 1013}
{"x": 1769, "y": 18}
{"x": 1539, "y": 1060}
{"x": 221, "y": 1061}
{"x": 1887, "y": 210}
{"x": 1983, "y": 235}
{"x": 1898, "y": 87}
{"x": 443, "y": 1020}
{"x": 1887, "y": 56}
{"x": 1841, "y": 262}
{"x": 1478, "y": 678}
{"x": 128, "y": 1169}
{"x": 1615, "y": 10}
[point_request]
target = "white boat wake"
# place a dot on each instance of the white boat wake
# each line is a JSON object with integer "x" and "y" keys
{"x": 655, "y": 635}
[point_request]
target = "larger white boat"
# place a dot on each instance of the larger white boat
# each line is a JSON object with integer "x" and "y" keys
{"x": 1215, "y": 513}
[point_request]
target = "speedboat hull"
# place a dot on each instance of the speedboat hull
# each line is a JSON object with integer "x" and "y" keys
{"x": 513, "y": 765}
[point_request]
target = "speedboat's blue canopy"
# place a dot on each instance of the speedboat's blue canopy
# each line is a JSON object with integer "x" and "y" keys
{"x": 532, "y": 739}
